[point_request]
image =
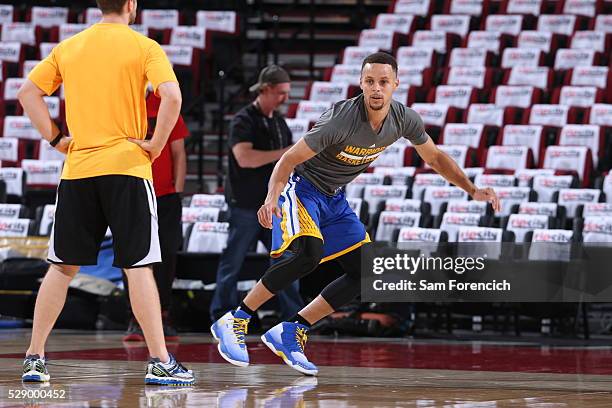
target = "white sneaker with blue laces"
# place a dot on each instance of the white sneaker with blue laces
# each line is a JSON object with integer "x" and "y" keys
{"x": 230, "y": 331}
{"x": 287, "y": 340}
{"x": 170, "y": 373}
{"x": 35, "y": 369}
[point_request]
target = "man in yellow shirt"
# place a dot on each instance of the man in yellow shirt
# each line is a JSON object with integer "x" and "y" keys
{"x": 106, "y": 181}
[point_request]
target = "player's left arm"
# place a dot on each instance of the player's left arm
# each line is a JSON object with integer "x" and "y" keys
{"x": 158, "y": 71}
{"x": 167, "y": 116}
{"x": 444, "y": 165}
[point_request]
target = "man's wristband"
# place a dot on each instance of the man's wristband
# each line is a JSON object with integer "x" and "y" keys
{"x": 57, "y": 139}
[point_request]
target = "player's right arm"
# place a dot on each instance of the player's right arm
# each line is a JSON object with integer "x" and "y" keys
{"x": 297, "y": 154}
{"x": 44, "y": 79}
{"x": 31, "y": 98}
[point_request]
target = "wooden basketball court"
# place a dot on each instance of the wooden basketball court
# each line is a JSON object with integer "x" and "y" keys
{"x": 98, "y": 370}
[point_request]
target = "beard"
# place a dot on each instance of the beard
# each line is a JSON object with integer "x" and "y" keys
{"x": 132, "y": 17}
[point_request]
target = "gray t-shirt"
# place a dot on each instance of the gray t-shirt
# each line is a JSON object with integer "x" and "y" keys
{"x": 346, "y": 144}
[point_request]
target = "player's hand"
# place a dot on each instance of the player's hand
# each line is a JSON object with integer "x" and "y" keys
{"x": 488, "y": 195}
{"x": 152, "y": 149}
{"x": 265, "y": 213}
{"x": 63, "y": 144}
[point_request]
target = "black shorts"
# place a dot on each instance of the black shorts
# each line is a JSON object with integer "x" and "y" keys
{"x": 87, "y": 207}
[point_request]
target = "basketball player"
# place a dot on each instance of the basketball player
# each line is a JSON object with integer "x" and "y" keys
{"x": 310, "y": 216}
{"x": 106, "y": 179}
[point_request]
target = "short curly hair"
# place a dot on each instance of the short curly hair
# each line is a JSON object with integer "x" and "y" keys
{"x": 380, "y": 58}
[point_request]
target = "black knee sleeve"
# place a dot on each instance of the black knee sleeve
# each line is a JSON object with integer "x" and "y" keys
{"x": 347, "y": 287}
{"x": 341, "y": 291}
{"x": 351, "y": 263}
{"x": 307, "y": 254}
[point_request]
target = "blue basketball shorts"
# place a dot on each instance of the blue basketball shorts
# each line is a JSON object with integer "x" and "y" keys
{"x": 306, "y": 211}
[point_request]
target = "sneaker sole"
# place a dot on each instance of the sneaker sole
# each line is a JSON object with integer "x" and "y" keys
{"x": 35, "y": 377}
{"x": 225, "y": 357}
{"x": 286, "y": 360}
{"x": 154, "y": 380}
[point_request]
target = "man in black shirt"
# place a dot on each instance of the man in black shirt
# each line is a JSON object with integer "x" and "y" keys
{"x": 258, "y": 137}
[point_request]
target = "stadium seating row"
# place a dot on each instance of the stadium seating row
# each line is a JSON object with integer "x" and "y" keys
{"x": 436, "y": 116}
{"x": 426, "y": 8}
{"x": 541, "y": 78}
{"x": 465, "y": 90}
{"x": 537, "y": 43}
{"x": 442, "y": 209}
{"x": 211, "y": 236}
{"x": 158, "y": 19}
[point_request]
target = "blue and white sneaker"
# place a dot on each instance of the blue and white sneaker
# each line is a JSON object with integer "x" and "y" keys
{"x": 287, "y": 340}
{"x": 172, "y": 373}
{"x": 229, "y": 331}
{"x": 35, "y": 369}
